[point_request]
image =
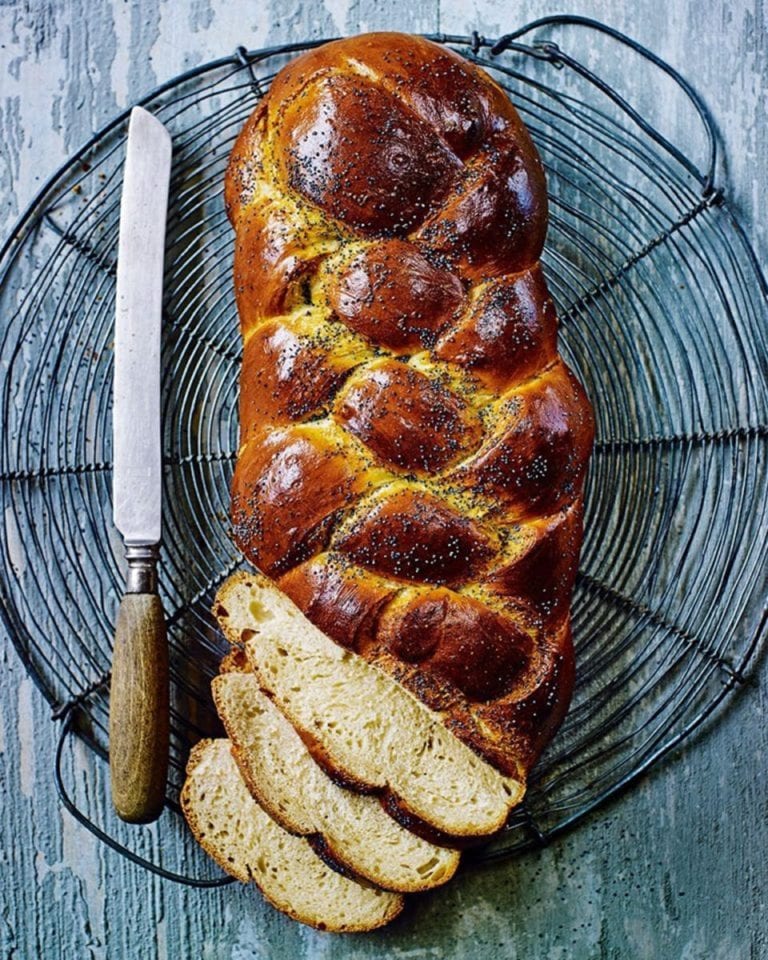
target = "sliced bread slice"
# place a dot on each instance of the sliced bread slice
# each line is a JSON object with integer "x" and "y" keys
{"x": 295, "y": 792}
{"x": 358, "y": 721}
{"x": 231, "y": 826}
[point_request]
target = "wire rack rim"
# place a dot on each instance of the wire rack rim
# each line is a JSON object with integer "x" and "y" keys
{"x": 67, "y": 711}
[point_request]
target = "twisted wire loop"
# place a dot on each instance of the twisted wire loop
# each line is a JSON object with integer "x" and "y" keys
{"x": 664, "y": 308}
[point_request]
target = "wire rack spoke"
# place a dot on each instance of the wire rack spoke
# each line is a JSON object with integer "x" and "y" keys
{"x": 187, "y": 459}
{"x": 618, "y": 445}
{"x": 79, "y": 698}
{"x": 664, "y": 321}
{"x": 187, "y": 328}
{"x": 44, "y": 473}
{"x": 109, "y": 267}
{"x": 653, "y": 617}
{"x": 248, "y": 62}
{"x": 83, "y": 247}
{"x": 169, "y": 460}
{"x": 569, "y": 312}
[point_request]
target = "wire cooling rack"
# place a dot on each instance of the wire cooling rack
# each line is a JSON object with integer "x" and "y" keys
{"x": 663, "y": 314}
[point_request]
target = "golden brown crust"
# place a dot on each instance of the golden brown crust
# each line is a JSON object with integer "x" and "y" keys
{"x": 379, "y": 181}
{"x": 390, "y": 293}
{"x": 341, "y": 600}
{"x": 287, "y": 376}
{"x": 408, "y": 420}
{"x": 508, "y": 333}
{"x": 245, "y": 164}
{"x": 412, "y": 535}
{"x": 287, "y": 488}
{"x": 458, "y": 639}
{"x": 524, "y": 723}
{"x": 534, "y": 462}
{"x": 321, "y": 847}
{"x": 542, "y": 570}
{"x": 414, "y": 448}
{"x": 406, "y": 818}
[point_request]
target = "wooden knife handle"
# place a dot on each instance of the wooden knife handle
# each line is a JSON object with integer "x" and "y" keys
{"x": 138, "y": 711}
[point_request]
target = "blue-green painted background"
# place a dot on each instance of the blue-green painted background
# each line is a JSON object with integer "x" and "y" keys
{"x": 674, "y": 870}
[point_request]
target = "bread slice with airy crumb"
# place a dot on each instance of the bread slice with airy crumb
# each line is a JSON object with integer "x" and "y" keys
{"x": 359, "y": 722}
{"x": 296, "y": 792}
{"x": 244, "y": 840}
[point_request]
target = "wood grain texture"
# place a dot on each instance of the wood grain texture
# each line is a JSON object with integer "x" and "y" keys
{"x": 138, "y": 709}
{"x": 677, "y": 867}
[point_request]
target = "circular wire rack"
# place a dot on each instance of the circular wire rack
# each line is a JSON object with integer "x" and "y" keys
{"x": 663, "y": 313}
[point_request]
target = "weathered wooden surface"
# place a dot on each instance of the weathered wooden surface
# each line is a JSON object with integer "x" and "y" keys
{"x": 676, "y": 868}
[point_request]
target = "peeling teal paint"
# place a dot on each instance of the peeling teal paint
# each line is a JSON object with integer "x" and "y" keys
{"x": 675, "y": 869}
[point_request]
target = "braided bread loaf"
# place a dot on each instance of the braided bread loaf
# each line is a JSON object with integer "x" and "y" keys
{"x": 413, "y": 449}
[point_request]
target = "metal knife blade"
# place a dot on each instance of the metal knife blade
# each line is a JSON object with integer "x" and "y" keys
{"x": 137, "y": 471}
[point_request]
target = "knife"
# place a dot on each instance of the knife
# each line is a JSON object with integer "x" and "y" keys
{"x": 138, "y": 712}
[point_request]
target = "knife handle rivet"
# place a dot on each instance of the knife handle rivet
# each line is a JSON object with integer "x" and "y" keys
{"x": 142, "y": 568}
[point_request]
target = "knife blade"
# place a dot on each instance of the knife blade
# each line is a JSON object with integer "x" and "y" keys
{"x": 138, "y": 721}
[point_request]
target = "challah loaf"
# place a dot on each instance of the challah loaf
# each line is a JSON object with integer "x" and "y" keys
{"x": 413, "y": 449}
{"x": 285, "y": 780}
{"x": 231, "y": 826}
